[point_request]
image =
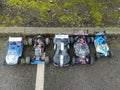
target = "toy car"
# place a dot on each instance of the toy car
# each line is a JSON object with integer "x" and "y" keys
{"x": 61, "y": 46}
{"x": 15, "y": 50}
{"x": 100, "y": 43}
{"x": 39, "y": 43}
{"x": 81, "y": 48}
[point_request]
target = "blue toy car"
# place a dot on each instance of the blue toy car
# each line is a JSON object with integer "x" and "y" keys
{"x": 15, "y": 49}
{"x": 101, "y": 46}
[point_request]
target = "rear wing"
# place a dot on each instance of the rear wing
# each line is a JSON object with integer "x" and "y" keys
{"x": 80, "y": 32}
{"x": 15, "y": 39}
{"x": 100, "y": 33}
{"x": 62, "y": 36}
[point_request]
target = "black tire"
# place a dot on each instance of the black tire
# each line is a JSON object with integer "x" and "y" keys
{"x": 97, "y": 55}
{"x": 25, "y": 42}
{"x": 47, "y": 60}
{"x": 47, "y": 41}
{"x": 71, "y": 40}
{"x": 73, "y": 61}
{"x": 88, "y": 40}
{"x": 92, "y": 60}
{"x": 104, "y": 32}
{"x": 92, "y": 39}
{"x": 4, "y": 62}
{"x": 27, "y": 60}
{"x": 30, "y": 41}
{"x": 110, "y": 54}
{"x": 22, "y": 61}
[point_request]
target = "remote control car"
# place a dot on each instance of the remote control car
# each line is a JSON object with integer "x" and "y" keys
{"x": 61, "y": 46}
{"x": 39, "y": 43}
{"x": 15, "y": 50}
{"x": 100, "y": 43}
{"x": 81, "y": 48}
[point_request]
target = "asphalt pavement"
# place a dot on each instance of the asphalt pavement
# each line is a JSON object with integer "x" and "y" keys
{"x": 19, "y": 77}
{"x": 103, "y": 75}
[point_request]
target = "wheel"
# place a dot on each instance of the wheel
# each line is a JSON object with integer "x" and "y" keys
{"x": 25, "y": 42}
{"x": 88, "y": 40}
{"x": 22, "y": 61}
{"x": 27, "y": 60}
{"x": 105, "y": 37}
{"x": 71, "y": 40}
{"x": 47, "y": 41}
{"x": 73, "y": 61}
{"x": 110, "y": 54}
{"x": 97, "y": 55}
{"x": 4, "y": 62}
{"x": 43, "y": 55}
{"x": 47, "y": 60}
{"x": 92, "y": 39}
{"x": 104, "y": 32}
{"x": 30, "y": 41}
{"x": 92, "y": 60}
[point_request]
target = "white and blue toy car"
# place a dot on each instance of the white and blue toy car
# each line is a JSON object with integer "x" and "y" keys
{"x": 101, "y": 46}
{"x": 61, "y": 56}
{"x": 15, "y": 50}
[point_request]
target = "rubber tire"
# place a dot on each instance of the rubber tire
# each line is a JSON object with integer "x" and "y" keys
{"x": 47, "y": 60}
{"x": 71, "y": 40}
{"x": 92, "y": 60}
{"x": 88, "y": 40}
{"x": 110, "y": 54}
{"x": 27, "y": 60}
{"x": 22, "y": 61}
{"x": 92, "y": 39}
{"x": 47, "y": 41}
{"x": 73, "y": 61}
{"x": 25, "y": 42}
{"x": 30, "y": 41}
{"x": 97, "y": 55}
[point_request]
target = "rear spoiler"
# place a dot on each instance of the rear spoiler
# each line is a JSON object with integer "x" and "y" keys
{"x": 80, "y": 32}
{"x": 62, "y": 36}
{"x": 100, "y": 33}
{"x": 15, "y": 39}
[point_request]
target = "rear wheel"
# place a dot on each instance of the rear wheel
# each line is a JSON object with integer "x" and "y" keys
{"x": 88, "y": 40}
{"x": 97, "y": 55}
{"x": 92, "y": 60}
{"x": 47, "y": 41}
{"x": 92, "y": 39}
{"x": 27, "y": 59}
{"x": 30, "y": 41}
{"x": 110, "y": 54}
{"x": 47, "y": 60}
{"x": 22, "y": 61}
{"x": 73, "y": 61}
{"x": 25, "y": 42}
{"x": 71, "y": 40}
